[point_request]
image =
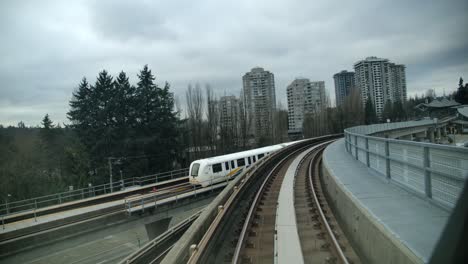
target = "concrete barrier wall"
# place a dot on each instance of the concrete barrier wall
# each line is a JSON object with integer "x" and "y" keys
{"x": 372, "y": 241}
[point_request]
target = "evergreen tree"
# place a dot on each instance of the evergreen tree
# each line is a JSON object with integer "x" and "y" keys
{"x": 369, "y": 111}
{"x": 123, "y": 105}
{"x": 388, "y": 111}
{"x": 399, "y": 113}
{"x": 147, "y": 94}
{"x": 81, "y": 111}
{"x": 461, "y": 95}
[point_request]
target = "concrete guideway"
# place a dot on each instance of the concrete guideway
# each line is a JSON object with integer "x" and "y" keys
{"x": 387, "y": 223}
{"x": 110, "y": 243}
{"x": 288, "y": 245}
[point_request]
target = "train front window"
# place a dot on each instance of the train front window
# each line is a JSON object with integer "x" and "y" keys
{"x": 195, "y": 168}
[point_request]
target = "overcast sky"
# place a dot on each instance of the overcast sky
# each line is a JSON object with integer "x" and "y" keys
{"x": 46, "y": 47}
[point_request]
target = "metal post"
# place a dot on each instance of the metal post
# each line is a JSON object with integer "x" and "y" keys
{"x": 60, "y": 198}
{"x": 427, "y": 173}
{"x": 82, "y": 193}
{"x": 121, "y": 179}
{"x": 356, "y": 147}
{"x": 110, "y": 173}
{"x": 347, "y": 142}
{"x": 367, "y": 152}
{"x": 35, "y": 206}
{"x": 387, "y": 160}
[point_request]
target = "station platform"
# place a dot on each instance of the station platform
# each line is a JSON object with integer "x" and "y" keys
{"x": 390, "y": 224}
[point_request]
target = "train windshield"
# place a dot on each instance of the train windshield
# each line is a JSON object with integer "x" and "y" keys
{"x": 195, "y": 168}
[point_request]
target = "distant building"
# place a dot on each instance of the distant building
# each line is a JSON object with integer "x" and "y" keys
{"x": 229, "y": 111}
{"x": 304, "y": 97}
{"x": 344, "y": 83}
{"x": 260, "y": 101}
{"x": 380, "y": 80}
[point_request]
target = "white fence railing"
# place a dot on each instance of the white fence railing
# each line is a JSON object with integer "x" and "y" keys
{"x": 435, "y": 171}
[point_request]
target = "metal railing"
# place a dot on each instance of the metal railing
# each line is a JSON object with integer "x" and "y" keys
{"x": 36, "y": 203}
{"x": 434, "y": 171}
{"x": 151, "y": 200}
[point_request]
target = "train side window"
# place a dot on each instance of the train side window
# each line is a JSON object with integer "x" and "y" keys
{"x": 248, "y": 160}
{"x": 240, "y": 162}
{"x": 217, "y": 167}
{"x": 226, "y": 165}
{"x": 232, "y": 164}
{"x": 254, "y": 159}
{"x": 260, "y": 156}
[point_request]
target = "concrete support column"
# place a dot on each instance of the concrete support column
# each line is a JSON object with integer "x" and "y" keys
{"x": 431, "y": 135}
{"x": 439, "y": 134}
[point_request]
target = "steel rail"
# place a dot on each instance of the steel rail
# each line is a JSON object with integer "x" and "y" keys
{"x": 163, "y": 238}
{"x": 334, "y": 241}
{"x": 254, "y": 205}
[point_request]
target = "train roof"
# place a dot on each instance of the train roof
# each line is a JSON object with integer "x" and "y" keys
{"x": 246, "y": 153}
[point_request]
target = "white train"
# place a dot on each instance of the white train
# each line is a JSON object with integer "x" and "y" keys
{"x": 212, "y": 170}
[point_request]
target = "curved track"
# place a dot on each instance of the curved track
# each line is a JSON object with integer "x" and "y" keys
{"x": 248, "y": 234}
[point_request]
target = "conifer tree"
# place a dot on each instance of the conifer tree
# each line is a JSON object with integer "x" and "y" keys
{"x": 370, "y": 115}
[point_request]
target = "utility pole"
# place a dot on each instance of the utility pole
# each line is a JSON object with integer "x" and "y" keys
{"x": 110, "y": 173}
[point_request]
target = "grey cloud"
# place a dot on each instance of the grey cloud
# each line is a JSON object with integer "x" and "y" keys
{"x": 129, "y": 20}
{"x": 49, "y": 46}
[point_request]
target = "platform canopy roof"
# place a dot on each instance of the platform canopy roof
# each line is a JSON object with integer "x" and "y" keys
{"x": 438, "y": 103}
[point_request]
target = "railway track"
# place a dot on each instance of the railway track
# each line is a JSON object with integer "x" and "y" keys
{"x": 163, "y": 193}
{"x": 248, "y": 234}
{"x": 322, "y": 240}
{"x": 14, "y": 217}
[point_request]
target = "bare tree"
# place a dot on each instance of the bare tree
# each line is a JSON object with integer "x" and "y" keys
{"x": 280, "y": 124}
{"x": 212, "y": 115}
{"x": 353, "y": 112}
{"x": 195, "y": 103}
{"x": 245, "y": 122}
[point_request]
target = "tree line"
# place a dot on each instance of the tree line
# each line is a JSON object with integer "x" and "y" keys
{"x": 142, "y": 130}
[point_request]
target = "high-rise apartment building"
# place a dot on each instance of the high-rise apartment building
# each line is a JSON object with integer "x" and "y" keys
{"x": 344, "y": 83}
{"x": 380, "y": 80}
{"x": 304, "y": 97}
{"x": 259, "y": 101}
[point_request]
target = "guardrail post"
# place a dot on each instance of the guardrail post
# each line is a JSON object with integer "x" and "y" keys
{"x": 367, "y": 153}
{"x": 387, "y": 160}
{"x": 3, "y": 222}
{"x": 60, "y": 198}
{"x": 346, "y": 141}
{"x": 427, "y": 173}
{"x": 35, "y": 206}
{"x": 356, "y": 147}
{"x": 82, "y": 194}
